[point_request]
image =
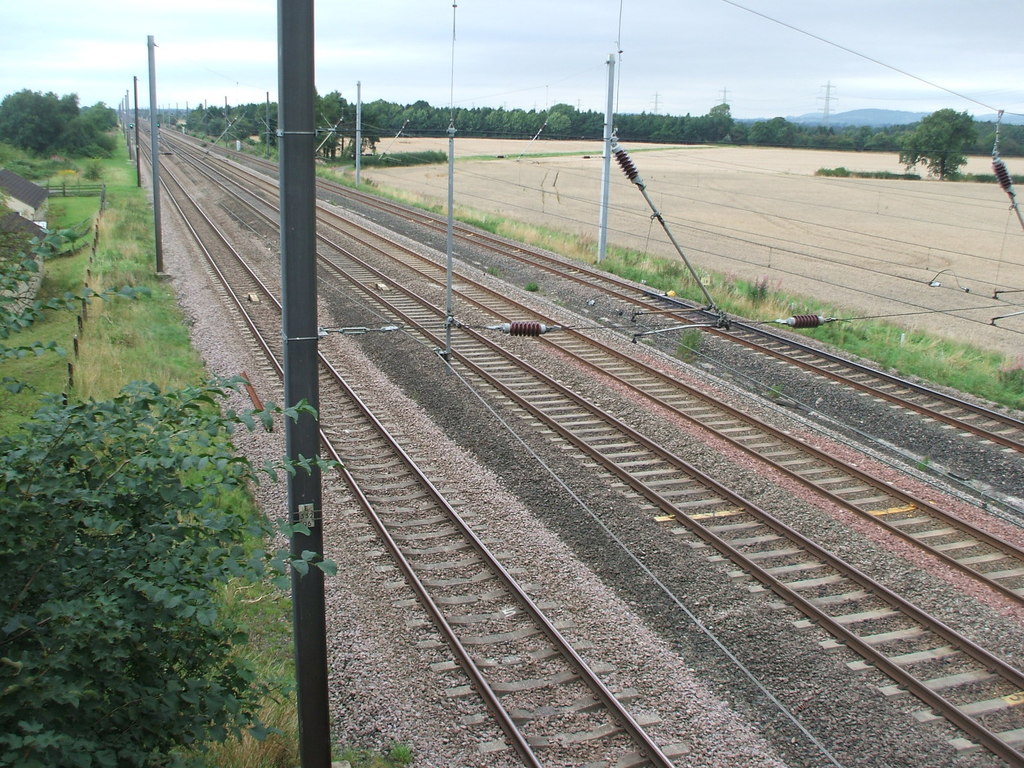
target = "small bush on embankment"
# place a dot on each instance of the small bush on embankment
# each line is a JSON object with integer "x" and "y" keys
{"x": 846, "y": 173}
{"x": 403, "y": 159}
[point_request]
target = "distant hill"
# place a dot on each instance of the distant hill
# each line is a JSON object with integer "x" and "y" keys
{"x": 880, "y": 118}
{"x": 874, "y": 118}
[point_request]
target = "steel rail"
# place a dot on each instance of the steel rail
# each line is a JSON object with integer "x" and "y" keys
{"x": 649, "y": 748}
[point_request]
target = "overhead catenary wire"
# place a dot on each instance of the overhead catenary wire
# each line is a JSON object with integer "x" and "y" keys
{"x": 821, "y": 277}
{"x": 394, "y": 139}
{"x": 701, "y": 625}
{"x": 535, "y": 137}
{"x": 745, "y": 236}
{"x": 864, "y": 56}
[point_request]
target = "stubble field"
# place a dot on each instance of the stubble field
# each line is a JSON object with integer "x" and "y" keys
{"x": 869, "y": 247}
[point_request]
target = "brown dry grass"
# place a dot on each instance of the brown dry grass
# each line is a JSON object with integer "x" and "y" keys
{"x": 870, "y": 247}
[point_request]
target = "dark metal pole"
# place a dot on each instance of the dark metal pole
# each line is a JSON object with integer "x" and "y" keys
{"x": 296, "y": 136}
{"x": 154, "y": 140}
{"x": 138, "y": 156}
{"x": 359, "y": 128}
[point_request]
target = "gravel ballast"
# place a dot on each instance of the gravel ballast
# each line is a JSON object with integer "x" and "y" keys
{"x": 664, "y": 615}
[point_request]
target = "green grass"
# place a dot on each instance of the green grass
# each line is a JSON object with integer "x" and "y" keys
{"x": 46, "y": 373}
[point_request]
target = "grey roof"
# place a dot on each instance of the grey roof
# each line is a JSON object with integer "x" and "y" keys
{"x": 12, "y": 222}
{"x": 22, "y": 189}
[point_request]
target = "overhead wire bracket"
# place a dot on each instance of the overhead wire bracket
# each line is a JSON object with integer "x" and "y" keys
{"x": 1003, "y": 175}
{"x": 357, "y": 330}
{"x": 629, "y": 168}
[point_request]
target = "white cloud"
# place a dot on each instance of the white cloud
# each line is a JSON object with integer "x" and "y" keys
{"x": 532, "y": 54}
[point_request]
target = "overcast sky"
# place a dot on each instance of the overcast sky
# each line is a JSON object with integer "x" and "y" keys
{"x": 678, "y": 56}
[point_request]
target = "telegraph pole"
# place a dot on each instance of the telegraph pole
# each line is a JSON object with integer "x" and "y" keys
{"x": 138, "y": 157}
{"x": 154, "y": 141}
{"x": 606, "y": 161}
{"x": 296, "y": 139}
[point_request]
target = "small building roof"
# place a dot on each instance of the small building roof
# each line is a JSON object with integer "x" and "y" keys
{"x": 12, "y": 222}
{"x": 22, "y": 189}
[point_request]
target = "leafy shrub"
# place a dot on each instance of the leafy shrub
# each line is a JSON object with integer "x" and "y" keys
{"x": 845, "y": 173}
{"x": 114, "y": 546}
{"x": 402, "y": 159}
{"x": 840, "y": 172}
{"x": 93, "y": 170}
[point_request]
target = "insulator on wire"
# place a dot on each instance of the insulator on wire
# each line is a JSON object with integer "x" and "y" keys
{"x": 1005, "y": 180}
{"x": 626, "y": 163}
{"x": 523, "y": 328}
{"x": 805, "y": 321}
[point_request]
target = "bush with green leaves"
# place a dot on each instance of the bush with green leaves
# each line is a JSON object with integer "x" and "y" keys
{"x": 114, "y": 544}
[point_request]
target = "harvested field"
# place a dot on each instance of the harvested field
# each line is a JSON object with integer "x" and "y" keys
{"x": 870, "y": 247}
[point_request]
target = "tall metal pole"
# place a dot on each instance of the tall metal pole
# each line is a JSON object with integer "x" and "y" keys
{"x": 138, "y": 155}
{"x": 266, "y": 136}
{"x": 359, "y": 128}
{"x": 602, "y": 237}
{"x": 154, "y": 140}
{"x": 449, "y": 305}
{"x": 296, "y": 137}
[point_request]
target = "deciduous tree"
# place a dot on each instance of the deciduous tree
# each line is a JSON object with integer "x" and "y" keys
{"x": 940, "y": 141}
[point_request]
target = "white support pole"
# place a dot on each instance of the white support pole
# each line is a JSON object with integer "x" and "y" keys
{"x": 602, "y": 238}
{"x": 154, "y": 143}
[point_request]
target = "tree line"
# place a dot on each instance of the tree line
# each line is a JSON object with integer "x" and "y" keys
{"x": 47, "y": 124}
{"x": 382, "y": 119}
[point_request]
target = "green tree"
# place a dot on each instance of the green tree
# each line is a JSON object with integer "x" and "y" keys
{"x": 33, "y": 121}
{"x": 45, "y": 123}
{"x": 331, "y": 116}
{"x": 777, "y": 132}
{"x": 940, "y": 142}
{"x": 717, "y": 124}
{"x": 559, "y": 121}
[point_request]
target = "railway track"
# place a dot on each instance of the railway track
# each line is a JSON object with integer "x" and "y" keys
{"x": 551, "y": 707}
{"x": 913, "y": 648}
{"x": 986, "y": 557}
{"x": 985, "y": 423}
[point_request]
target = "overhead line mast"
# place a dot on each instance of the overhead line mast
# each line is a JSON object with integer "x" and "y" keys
{"x": 296, "y": 138}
